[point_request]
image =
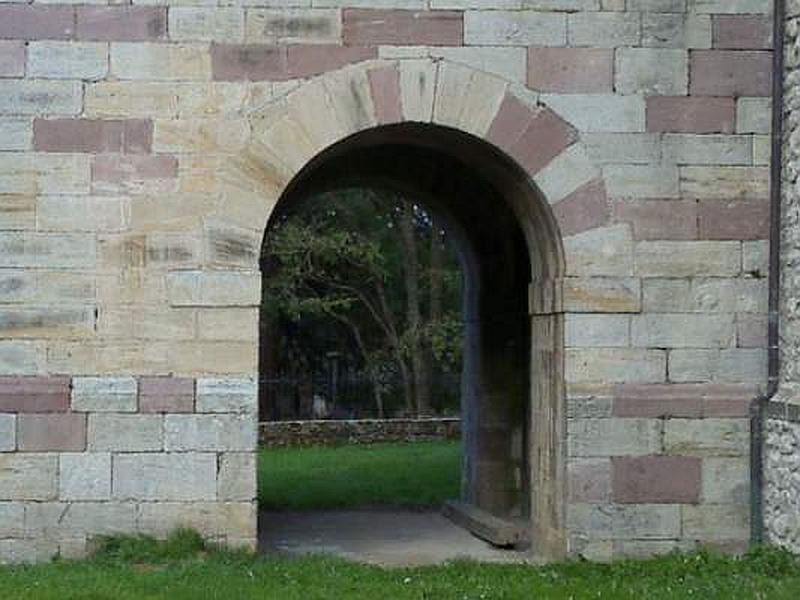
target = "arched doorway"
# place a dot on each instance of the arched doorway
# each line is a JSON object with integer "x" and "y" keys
{"x": 513, "y": 415}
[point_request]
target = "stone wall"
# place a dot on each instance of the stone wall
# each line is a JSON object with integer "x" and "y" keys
{"x": 143, "y": 148}
{"x": 283, "y": 434}
{"x": 88, "y": 456}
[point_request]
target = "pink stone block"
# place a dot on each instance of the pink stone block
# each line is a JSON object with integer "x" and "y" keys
{"x": 166, "y": 395}
{"x": 403, "y": 27}
{"x": 656, "y": 479}
{"x": 531, "y": 137}
{"x": 737, "y": 220}
{"x": 56, "y": 432}
{"x": 589, "y": 481}
{"x": 384, "y": 85}
{"x": 232, "y": 62}
{"x": 92, "y": 135}
{"x": 34, "y": 394}
{"x": 308, "y": 60}
{"x": 658, "y": 219}
{"x": 26, "y": 22}
{"x": 571, "y": 70}
{"x": 12, "y": 59}
{"x": 121, "y": 23}
{"x": 748, "y": 32}
{"x": 584, "y": 209}
{"x": 681, "y": 114}
{"x": 658, "y": 401}
{"x": 730, "y": 73}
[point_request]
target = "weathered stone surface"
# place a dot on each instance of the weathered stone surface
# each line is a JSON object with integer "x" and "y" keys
{"x": 652, "y": 71}
{"x": 514, "y": 28}
{"x": 12, "y": 515}
{"x": 604, "y": 30}
{"x": 51, "y": 432}
{"x": 236, "y": 479}
{"x": 121, "y": 23}
{"x": 34, "y": 394}
{"x": 28, "y": 476}
{"x": 62, "y": 520}
{"x": 687, "y": 259}
{"x": 227, "y": 396}
{"x": 607, "y": 294}
{"x": 293, "y": 26}
{"x": 657, "y": 479}
{"x": 166, "y": 394}
{"x": 209, "y": 288}
{"x": 20, "y": 550}
{"x": 727, "y": 365}
{"x": 682, "y": 331}
{"x": 104, "y": 394}
{"x": 160, "y": 62}
{"x": 606, "y": 251}
{"x": 707, "y": 437}
{"x": 67, "y": 60}
{"x": 691, "y": 114}
{"x": 716, "y": 522}
{"x": 658, "y": 219}
{"x": 19, "y": 97}
{"x": 589, "y": 480}
{"x": 85, "y": 476}
{"x": 597, "y": 330}
{"x": 231, "y": 520}
{"x": 209, "y": 433}
{"x": 599, "y": 112}
{"x": 614, "y": 437}
{"x": 570, "y": 70}
{"x": 112, "y": 432}
{"x": 594, "y": 365}
{"x": 726, "y": 481}
{"x": 165, "y": 477}
{"x": 8, "y": 433}
{"x": 435, "y": 28}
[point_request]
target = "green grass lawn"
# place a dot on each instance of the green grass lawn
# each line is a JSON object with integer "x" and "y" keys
{"x": 418, "y": 474}
{"x": 182, "y": 569}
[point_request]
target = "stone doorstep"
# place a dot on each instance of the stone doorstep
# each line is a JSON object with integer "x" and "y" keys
{"x": 500, "y": 532}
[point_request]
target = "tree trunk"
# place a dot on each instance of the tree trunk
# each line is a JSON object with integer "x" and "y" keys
{"x": 419, "y": 366}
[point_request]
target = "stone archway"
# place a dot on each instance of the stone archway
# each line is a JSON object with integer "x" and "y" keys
{"x": 524, "y": 151}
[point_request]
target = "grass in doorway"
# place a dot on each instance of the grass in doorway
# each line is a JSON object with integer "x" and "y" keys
{"x": 412, "y": 474}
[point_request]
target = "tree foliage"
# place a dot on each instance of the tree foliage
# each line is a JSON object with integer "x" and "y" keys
{"x": 371, "y": 274}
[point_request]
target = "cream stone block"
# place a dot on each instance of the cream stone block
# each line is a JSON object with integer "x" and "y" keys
{"x": 467, "y": 99}
{"x": 62, "y": 520}
{"x": 599, "y": 112}
{"x": 210, "y": 288}
{"x": 293, "y": 26}
{"x": 131, "y": 99}
{"x": 48, "y": 250}
{"x": 67, "y": 60}
{"x": 229, "y": 520}
{"x": 17, "y": 286}
{"x": 514, "y": 28}
{"x": 213, "y": 358}
{"x": 53, "y": 321}
{"x": 624, "y": 148}
{"x": 180, "y": 212}
{"x": 216, "y": 99}
{"x": 210, "y": 432}
{"x": 566, "y": 173}
{"x": 311, "y": 110}
{"x": 507, "y": 62}
{"x": 135, "y": 357}
{"x": 417, "y": 89}
{"x": 688, "y": 259}
{"x": 233, "y": 324}
{"x": 104, "y": 394}
{"x": 642, "y": 181}
{"x": 8, "y": 439}
{"x": 28, "y": 476}
{"x": 237, "y": 476}
{"x": 200, "y": 135}
{"x": 32, "y": 174}
{"x": 725, "y": 183}
{"x": 16, "y": 134}
{"x": 21, "y": 358}
{"x": 160, "y": 62}
{"x": 165, "y": 476}
{"x": 191, "y": 23}
{"x": 227, "y": 396}
{"x": 615, "y": 365}
{"x": 602, "y": 294}
{"x": 84, "y": 476}
{"x": 40, "y": 97}
{"x": 350, "y": 95}
{"x": 688, "y": 149}
{"x": 606, "y": 251}
{"x": 614, "y": 437}
{"x": 17, "y": 211}
{"x": 111, "y": 432}
{"x": 12, "y": 519}
{"x": 132, "y": 286}
{"x": 82, "y": 213}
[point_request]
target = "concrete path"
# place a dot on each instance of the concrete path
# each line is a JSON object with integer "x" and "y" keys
{"x": 390, "y": 537}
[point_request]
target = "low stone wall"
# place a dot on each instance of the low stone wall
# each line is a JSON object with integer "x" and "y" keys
{"x": 88, "y": 456}
{"x": 278, "y": 434}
